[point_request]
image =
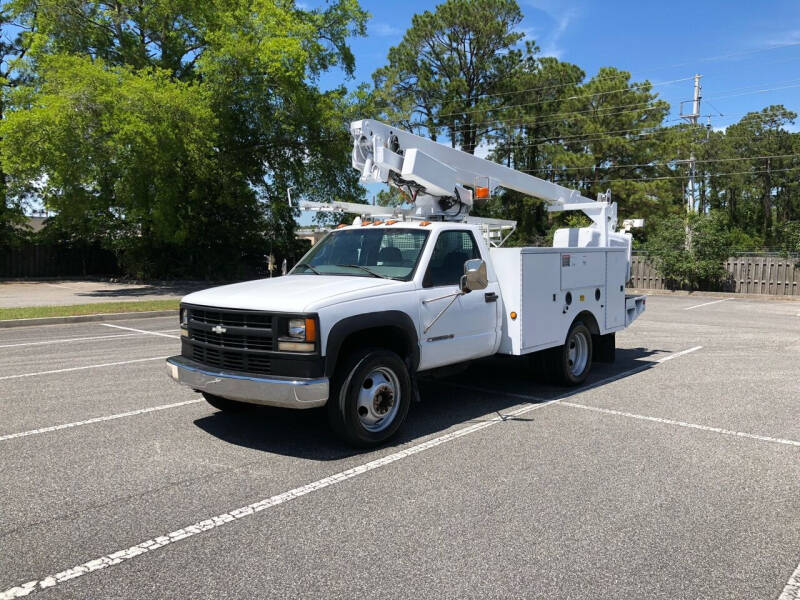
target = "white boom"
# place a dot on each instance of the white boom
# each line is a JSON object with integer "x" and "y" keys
{"x": 444, "y": 182}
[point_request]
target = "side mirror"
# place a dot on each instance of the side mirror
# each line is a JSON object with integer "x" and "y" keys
{"x": 474, "y": 277}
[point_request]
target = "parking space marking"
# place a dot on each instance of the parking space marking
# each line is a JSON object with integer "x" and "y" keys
{"x": 116, "y": 558}
{"x": 131, "y": 413}
{"x": 111, "y": 364}
{"x": 720, "y": 430}
{"x": 664, "y": 359}
{"x": 79, "y": 339}
{"x": 708, "y": 303}
{"x": 177, "y": 337}
{"x": 792, "y": 589}
{"x": 155, "y": 543}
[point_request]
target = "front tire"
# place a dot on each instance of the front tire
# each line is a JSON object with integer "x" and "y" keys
{"x": 370, "y": 397}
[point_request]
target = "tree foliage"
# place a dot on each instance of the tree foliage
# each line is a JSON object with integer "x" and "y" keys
{"x": 171, "y": 129}
{"x": 445, "y": 71}
{"x": 691, "y": 254}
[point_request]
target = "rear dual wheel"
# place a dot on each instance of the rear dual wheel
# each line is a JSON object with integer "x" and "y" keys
{"x": 568, "y": 364}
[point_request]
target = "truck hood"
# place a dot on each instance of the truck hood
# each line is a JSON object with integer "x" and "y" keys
{"x": 293, "y": 293}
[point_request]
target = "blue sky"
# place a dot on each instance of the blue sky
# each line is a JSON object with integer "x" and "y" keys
{"x": 739, "y": 47}
{"x": 742, "y": 49}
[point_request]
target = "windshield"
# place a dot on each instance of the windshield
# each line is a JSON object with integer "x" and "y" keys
{"x": 390, "y": 253}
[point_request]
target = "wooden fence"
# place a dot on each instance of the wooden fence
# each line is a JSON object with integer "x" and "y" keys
{"x": 45, "y": 260}
{"x": 773, "y": 275}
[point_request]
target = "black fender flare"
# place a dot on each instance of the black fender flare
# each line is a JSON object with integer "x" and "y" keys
{"x": 350, "y": 325}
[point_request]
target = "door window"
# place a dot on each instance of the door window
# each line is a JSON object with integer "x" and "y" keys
{"x": 452, "y": 250}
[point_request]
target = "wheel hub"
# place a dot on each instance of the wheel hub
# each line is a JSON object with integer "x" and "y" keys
{"x": 377, "y": 402}
{"x": 577, "y": 353}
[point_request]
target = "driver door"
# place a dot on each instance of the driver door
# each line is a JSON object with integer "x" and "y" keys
{"x": 468, "y": 328}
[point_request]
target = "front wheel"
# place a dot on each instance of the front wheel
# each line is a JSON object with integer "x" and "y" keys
{"x": 574, "y": 359}
{"x": 370, "y": 397}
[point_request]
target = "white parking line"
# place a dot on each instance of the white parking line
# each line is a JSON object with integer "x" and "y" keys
{"x": 111, "y": 364}
{"x": 131, "y": 413}
{"x": 664, "y": 359}
{"x": 792, "y": 589}
{"x": 619, "y": 413}
{"x": 116, "y": 558}
{"x": 155, "y": 543}
{"x": 708, "y": 303}
{"x": 79, "y": 339}
{"x": 177, "y": 337}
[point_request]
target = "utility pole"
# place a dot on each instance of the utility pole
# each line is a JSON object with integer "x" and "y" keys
{"x": 692, "y": 118}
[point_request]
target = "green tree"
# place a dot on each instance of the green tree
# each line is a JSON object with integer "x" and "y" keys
{"x": 698, "y": 264}
{"x": 189, "y": 121}
{"x": 760, "y": 189}
{"x": 446, "y": 72}
{"x": 13, "y": 48}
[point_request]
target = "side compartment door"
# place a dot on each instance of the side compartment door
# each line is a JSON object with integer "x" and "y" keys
{"x": 468, "y": 328}
{"x": 616, "y": 268}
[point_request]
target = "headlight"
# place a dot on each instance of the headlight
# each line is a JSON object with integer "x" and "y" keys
{"x": 297, "y": 328}
{"x": 301, "y": 336}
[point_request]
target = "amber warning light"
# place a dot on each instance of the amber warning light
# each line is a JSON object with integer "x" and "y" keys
{"x": 482, "y": 192}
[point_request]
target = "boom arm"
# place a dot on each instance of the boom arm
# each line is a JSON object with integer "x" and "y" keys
{"x": 444, "y": 182}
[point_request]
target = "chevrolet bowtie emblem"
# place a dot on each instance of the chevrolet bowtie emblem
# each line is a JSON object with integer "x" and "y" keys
{"x": 219, "y": 329}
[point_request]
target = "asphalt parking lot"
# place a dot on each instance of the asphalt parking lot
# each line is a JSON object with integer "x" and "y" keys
{"x": 673, "y": 473}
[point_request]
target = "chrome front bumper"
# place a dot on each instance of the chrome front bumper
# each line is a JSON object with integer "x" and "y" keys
{"x": 253, "y": 389}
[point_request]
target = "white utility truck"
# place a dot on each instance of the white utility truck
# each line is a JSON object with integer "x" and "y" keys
{"x": 379, "y": 302}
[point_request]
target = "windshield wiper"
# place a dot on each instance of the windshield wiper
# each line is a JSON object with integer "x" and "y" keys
{"x": 308, "y": 266}
{"x": 370, "y": 271}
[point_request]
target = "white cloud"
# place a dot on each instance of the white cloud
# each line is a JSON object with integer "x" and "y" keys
{"x": 783, "y": 38}
{"x": 560, "y": 17}
{"x": 384, "y": 30}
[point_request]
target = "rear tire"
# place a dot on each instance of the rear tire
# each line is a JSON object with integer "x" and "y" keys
{"x": 573, "y": 360}
{"x": 225, "y": 405}
{"x": 604, "y": 348}
{"x": 370, "y": 397}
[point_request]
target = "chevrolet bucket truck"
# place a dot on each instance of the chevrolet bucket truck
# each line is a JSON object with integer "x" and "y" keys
{"x": 377, "y": 303}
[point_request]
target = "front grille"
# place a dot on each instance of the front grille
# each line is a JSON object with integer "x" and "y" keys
{"x": 243, "y": 346}
{"x": 229, "y": 340}
{"x": 233, "y": 318}
{"x": 233, "y": 360}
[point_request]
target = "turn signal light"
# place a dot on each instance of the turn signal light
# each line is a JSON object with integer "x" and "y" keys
{"x": 311, "y": 330}
{"x": 482, "y": 192}
{"x": 513, "y": 316}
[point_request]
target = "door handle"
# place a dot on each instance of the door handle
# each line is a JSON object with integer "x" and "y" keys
{"x": 490, "y": 297}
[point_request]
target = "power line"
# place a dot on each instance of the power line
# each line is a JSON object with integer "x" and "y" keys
{"x": 727, "y": 56}
{"x": 762, "y": 91}
{"x": 662, "y": 164}
{"x": 474, "y": 126}
{"x": 631, "y": 87}
{"x": 706, "y": 59}
{"x": 718, "y": 97}
{"x": 685, "y": 176}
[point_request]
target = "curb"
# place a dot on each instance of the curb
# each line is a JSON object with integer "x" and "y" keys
{"x": 698, "y": 294}
{"x": 87, "y": 318}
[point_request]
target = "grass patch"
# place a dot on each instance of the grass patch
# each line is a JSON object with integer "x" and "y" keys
{"x": 35, "y": 312}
